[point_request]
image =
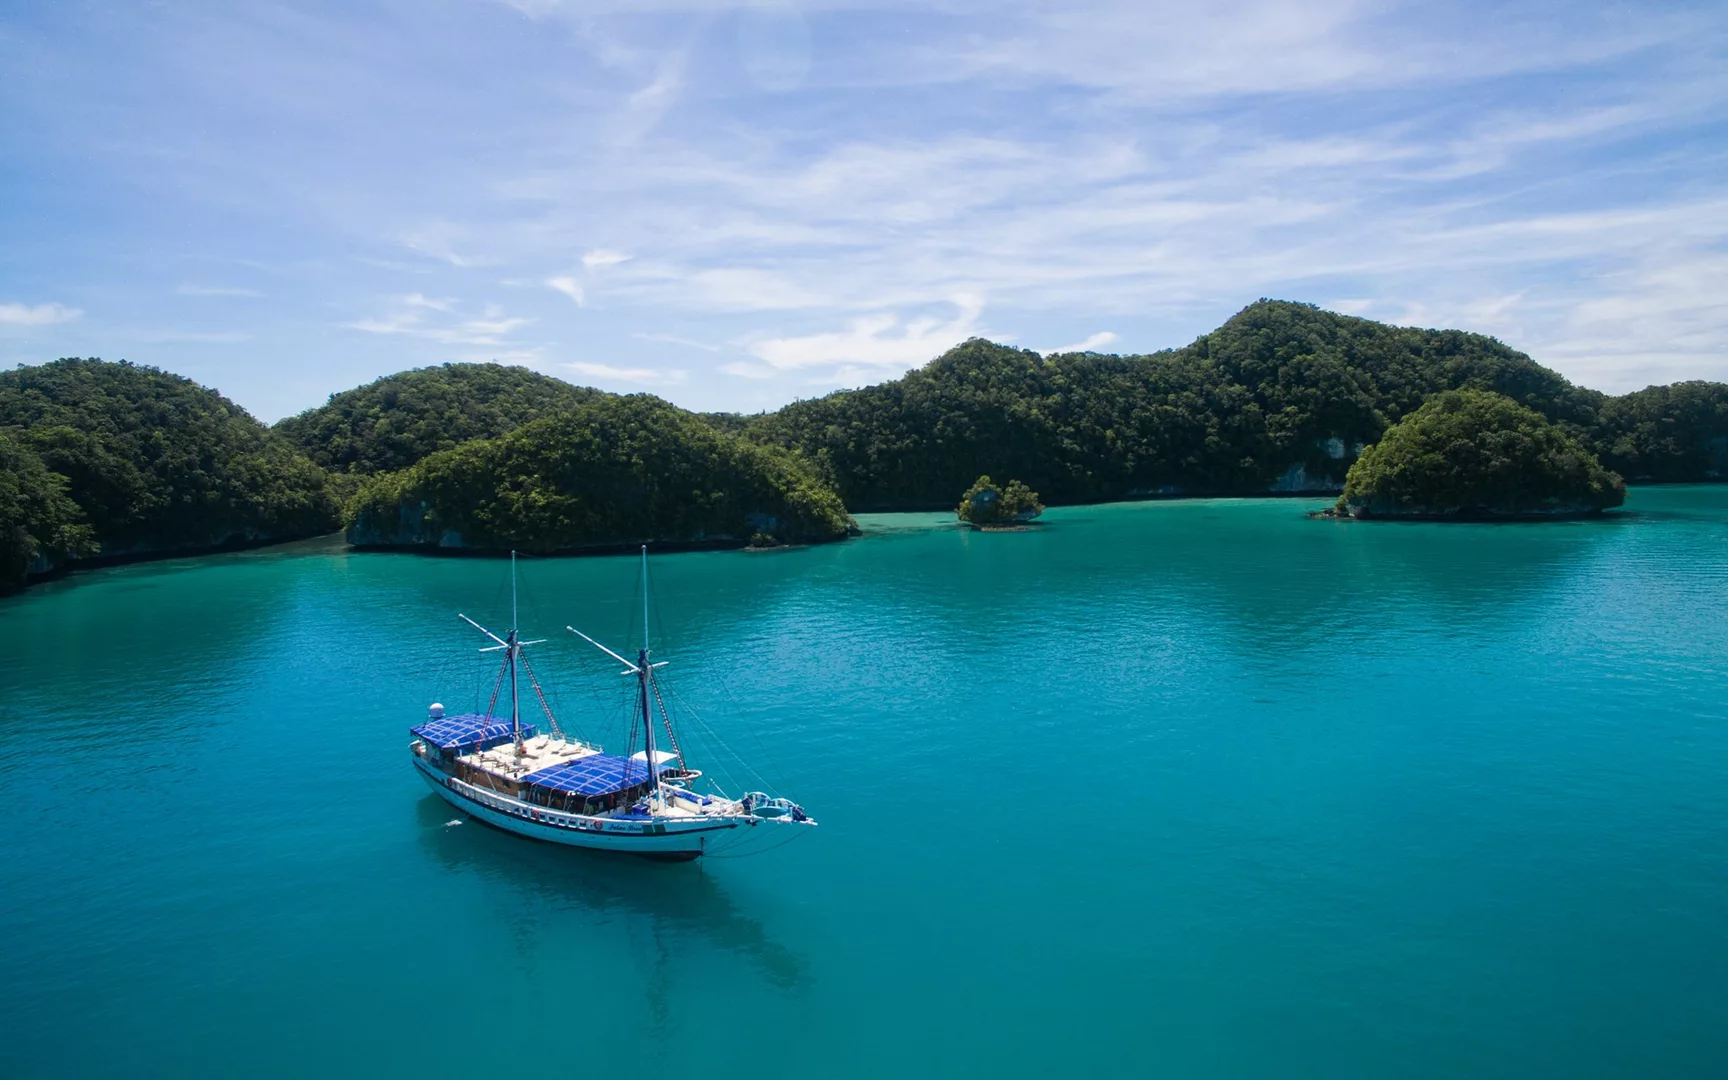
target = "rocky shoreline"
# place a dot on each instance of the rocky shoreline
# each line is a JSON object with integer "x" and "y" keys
{"x": 1476, "y": 514}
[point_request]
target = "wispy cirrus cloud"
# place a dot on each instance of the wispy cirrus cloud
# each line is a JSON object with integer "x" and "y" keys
{"x": 15, "y": 314}
{"x": 428, "y": 319}
{"x": 878, "y": 344}
{"x": 803, "y": 192}
{"x": 1092, "y": 343}
{"x": 640, "y": 376}
{"x": 600, "y": 258}
{"x": 569, "y": 286}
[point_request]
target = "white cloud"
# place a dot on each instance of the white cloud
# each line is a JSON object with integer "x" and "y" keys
{"x": 39, "y": 315}
{"x": 483, "y": 331}
{"x": 643, "y": 376}
{"x": 569, "y": 286}
{"x": 493, "y": 327}
{"x": 215, "y": 290}
{"x": 874, "y": 342}
{"x": 1432, "y": 219}
{"x": 1092, "y": 344}
{"x": 600, "y": 258}
{"x": 1171, "y": 54}
{"x": 748, "y": 371}
{"x": 1149, "y": 167}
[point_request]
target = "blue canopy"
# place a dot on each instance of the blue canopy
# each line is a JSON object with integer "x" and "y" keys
{"x": 596, "y": 774}
{"x": 471, "y": 731}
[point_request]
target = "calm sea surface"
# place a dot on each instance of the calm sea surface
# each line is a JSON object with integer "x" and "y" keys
{"x": 1181, "y": 789}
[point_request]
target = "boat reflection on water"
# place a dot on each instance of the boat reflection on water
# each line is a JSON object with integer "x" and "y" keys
{"x": 672, "y": 902}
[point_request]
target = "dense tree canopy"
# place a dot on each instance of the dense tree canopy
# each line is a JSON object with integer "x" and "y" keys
{"x": 1280, "y": 397}
{"x": 1666, "y": 433}
{"x": 40, "y": 525}
{"x": 399, "y": 419}
{"x": 986, "y": 504}
{"x": 1476, "y": 454}
{"x": 155, "y": 462}
{"x": 616, "y": 470}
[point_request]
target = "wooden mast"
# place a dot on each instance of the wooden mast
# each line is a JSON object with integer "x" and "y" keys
{"x": 644, "y": 672}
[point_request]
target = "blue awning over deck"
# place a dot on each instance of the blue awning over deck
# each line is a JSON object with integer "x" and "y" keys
{"x": 596, "y": 774}
{"x": 471, "y": 731}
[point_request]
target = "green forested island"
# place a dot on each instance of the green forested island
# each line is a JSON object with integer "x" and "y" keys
{"x": 399, "y": 419}
{"x": 610, "y": 472}
{"x": 1477, "y": 455}
{"x": 1279, "y": 399}
{"x": 114, "y": 461}
{"x": 984, "y": 505}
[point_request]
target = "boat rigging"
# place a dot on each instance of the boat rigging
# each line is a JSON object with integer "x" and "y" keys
{"x": 566, "y": 791}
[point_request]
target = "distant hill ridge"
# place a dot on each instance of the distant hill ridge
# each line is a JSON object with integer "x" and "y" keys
{"x": 117, "y": 461}
{"x": 397, "y": 420}
{"x": 1281, "y": 398}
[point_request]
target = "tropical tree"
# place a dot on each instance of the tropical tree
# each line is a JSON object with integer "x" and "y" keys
{"x": 986, "y": 504}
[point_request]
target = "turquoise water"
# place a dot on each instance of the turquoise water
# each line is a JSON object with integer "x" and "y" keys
{"x": 1182, "y": 789}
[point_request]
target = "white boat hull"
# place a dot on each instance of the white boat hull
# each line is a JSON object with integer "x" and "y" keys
{"x": 657, "y": 837}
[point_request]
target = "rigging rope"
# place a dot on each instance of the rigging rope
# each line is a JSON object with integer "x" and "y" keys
{"x": 666, "y": 717}
{"x": 708, "y": 730}
{"x": 726, "y": 853}
{"x": 544, "y": 706}
{"x": 497, "y": 688}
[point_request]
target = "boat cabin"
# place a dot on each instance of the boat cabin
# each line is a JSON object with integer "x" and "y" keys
{"x": 556, "y": 773}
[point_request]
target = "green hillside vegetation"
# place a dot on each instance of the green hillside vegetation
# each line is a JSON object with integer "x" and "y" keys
{"x": 115, "y": 461}
{"x": 1666, "y": 434}
{"x": 1278, "y": 398}
{"x": 986, "y": 504}
{"x": 730, "y": 422}
{"x": 614, "y": 471}
{"x": 40, "y": 525}
{"x": 1472, "y": 454}
{"x": 153, "y": 462}
{"x": 396, "y": 421}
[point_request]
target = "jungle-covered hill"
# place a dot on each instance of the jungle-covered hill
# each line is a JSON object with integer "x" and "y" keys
{"x": 397, "y": 420}
{"x": 1282, "y": 397}
{"x": 1472, "y": 455}
{"x": 611, "y": 472}
{"x": 118, "y": 461}
{"x": 114, "y": 460}
{"x": 1665, "y": 434}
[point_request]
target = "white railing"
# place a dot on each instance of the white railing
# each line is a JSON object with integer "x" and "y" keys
{"x": 559, "y": 819}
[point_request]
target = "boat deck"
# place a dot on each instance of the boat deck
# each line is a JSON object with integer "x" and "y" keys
{"x": 538, "y": 753}
{"x": 543, "y": 752}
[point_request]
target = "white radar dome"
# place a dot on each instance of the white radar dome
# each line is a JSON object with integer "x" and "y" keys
{"x": 437, "y": 711}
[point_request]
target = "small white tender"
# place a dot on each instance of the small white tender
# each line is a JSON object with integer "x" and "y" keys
{"x": 549, "y": 787}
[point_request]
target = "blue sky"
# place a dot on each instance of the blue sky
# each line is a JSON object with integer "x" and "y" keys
{"x": 736, "y": 206}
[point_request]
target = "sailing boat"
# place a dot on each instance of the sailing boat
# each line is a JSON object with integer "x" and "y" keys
{"x": 547, "y": 786}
